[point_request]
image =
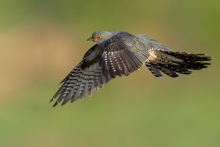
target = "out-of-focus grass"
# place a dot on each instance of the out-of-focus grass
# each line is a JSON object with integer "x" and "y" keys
{"x": 114, "y": 117}
{"x": 41, "y": 41}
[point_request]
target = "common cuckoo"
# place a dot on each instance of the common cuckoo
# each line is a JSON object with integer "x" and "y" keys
{"x": 120, "y": 53}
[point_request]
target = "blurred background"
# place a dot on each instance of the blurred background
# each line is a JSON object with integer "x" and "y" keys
{"x": 41, "y": 41}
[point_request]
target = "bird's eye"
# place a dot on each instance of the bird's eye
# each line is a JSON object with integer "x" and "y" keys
{"x": 99, "y": 37}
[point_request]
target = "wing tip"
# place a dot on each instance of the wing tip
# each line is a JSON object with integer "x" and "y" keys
{"x": 51, "y": 100}
{"x": 55, "y": 104}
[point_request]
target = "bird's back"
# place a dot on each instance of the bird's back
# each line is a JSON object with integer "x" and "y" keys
{"x": 150, "y": 43}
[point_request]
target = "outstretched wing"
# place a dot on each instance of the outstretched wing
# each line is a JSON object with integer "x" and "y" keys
{"x": 84, "y": 80}
{"x": 123, "y": 54}
{"x": 162, "y": 58}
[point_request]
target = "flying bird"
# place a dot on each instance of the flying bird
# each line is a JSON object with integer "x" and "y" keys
{"x": 119, "y": 53}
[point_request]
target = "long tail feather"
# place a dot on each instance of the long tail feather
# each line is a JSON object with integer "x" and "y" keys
{"x": 175, "y": 62}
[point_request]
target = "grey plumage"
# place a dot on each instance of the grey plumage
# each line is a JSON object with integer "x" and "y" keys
{"x": 84, "y": 80}
{"x": 120, "y": 53}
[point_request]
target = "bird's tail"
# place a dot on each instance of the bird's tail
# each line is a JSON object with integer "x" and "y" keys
{"x": 172, "y": 63}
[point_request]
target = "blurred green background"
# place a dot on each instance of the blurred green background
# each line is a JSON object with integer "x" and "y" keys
{"x": 42, "y": 40}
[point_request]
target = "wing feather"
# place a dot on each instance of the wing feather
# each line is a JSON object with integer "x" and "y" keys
{"x": 84, "y": 80}
{"x": 123, "y": 54}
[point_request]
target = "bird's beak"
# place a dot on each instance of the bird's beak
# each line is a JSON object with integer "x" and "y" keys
{"x": 90, "y": 39}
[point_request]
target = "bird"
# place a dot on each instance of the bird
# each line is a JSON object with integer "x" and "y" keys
{"x": 119, "y": 53}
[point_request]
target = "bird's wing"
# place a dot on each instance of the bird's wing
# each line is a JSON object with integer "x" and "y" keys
{"x": 162, "y": 58}
{"x": 123, "y": 54}
{"x": 85, "y": 79}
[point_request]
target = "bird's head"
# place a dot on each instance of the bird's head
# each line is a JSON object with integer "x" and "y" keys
{"x": 100, "y": 36}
